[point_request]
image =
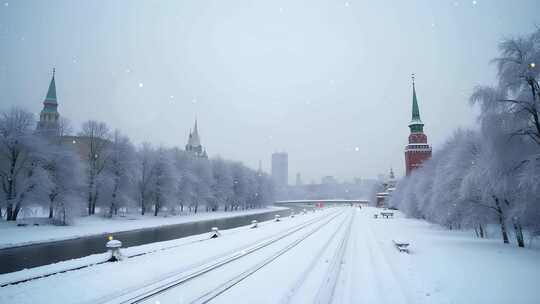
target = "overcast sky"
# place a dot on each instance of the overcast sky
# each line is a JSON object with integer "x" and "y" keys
{"x": 317, "y": 79}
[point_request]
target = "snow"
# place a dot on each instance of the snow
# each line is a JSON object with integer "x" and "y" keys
{"x": 113, "y": 244}
{"x": 351, "y": 259}
{"x": 13, "y": 236}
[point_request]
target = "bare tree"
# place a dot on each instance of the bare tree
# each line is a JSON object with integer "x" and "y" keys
{"x": 96, "y": 136}
{"x": 120, "y": 168}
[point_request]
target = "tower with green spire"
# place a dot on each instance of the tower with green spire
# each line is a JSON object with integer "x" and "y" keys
{"x": 418, "y": 150}
{"x": 49, "y": 116}
{"x": 416, "y": 125}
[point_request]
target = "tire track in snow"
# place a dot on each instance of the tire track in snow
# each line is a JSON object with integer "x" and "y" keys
{"x": 216, "y": 292}
{"x": 305, "y": 274}
{"x": 394, "y": 280}
{"x": 327, "y": 288}
{"x": 179, "y": 276}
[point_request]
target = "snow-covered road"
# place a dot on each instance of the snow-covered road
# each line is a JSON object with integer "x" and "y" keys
{"x": 338, "y": 255}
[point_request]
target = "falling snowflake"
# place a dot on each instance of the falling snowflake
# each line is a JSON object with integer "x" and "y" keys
{"x": 474, "y": 2}
{"x": 356, "y": 149}
{"x": 6, "y": 4}
{"x": 347, "y": 4}
{"x": 128, "y": 70}
{"x": 194, "y": 100}
{"x": 141, "y": 84}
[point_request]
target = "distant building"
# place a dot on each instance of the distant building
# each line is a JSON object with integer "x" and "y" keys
{"x": 280, "y": 169}
{"x": 48, "y": 124}
{"x": 389, "y": 186}
{"x": 299, "y": 179}
{"x": 418, "y": 150}
{"x": 194, "y": 143}
{"x": 328, "y": 180}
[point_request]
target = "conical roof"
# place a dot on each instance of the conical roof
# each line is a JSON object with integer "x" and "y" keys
{"x": 51, "y": 93}
{"x": 416, "y": 124}
{"x": 195, "y": 140}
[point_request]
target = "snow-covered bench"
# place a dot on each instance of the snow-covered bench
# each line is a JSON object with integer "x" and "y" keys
{"x": 401, "y": 246}
{"x": 387, "y": 214}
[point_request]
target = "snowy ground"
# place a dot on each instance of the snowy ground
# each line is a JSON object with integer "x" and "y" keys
{"x": 340, "y": 255}
{"x": 13, "y": 236}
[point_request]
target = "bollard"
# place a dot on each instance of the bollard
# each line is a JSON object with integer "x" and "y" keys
{"x": 305, "y": 211}
{"x": 292, "y": 214}
{"x": 254, "y": 224}
{"x": 215, "y": 233}
{"x": 277, "y": 217}
{"x": 113, "y": 246}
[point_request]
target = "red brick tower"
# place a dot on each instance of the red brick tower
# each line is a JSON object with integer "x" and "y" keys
{"x": 418, "y": 150}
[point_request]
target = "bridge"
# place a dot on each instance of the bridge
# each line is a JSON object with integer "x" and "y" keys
{"x": 324, "y": 201}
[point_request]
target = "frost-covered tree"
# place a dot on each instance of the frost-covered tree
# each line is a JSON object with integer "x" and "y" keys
{"x": 22, "y": 159}
{"x": 489, "y": 176}
{"x": 162, "y": 183}
{"x": 120, "y": 170}
{"x": 96, "y": 135}
{"x": 143, "y": 172}
{"x": 222, "y": 186}
{"x": 203, "y": 181}
{"x": 65, "y": 171}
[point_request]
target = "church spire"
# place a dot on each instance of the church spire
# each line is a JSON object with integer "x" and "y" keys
{"x": 416, "y": 124}
{"x": 194, "y": 143}
{"x": 51, "y": 93}
{"x": 195, "y": 140}
{"x": 195, "y": 129}
{"x": 48, "y": 118}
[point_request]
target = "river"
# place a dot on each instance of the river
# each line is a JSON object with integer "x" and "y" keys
{"x": 18, "y": 258}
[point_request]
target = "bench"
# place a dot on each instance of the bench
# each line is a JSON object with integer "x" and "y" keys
{"x": 387, "y": 214}
{"x": 401, "y": 246}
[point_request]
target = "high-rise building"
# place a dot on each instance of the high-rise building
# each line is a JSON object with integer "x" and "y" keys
{"x": 48, "y": 124}
{"x": 280, "y": 169}
{"x": 418, "y": 150}
{"x": 299, "y": 179}
{"x": 194, "y": 143}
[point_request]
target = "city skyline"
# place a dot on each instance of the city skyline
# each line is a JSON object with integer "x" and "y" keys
{"x": 262, "y": 78}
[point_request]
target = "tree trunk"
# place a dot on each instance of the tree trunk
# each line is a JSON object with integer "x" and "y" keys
{"x": 113, "y": 201}
{"x": 16, "y": 211}
{"x": 481, "y": 230}
{"x": 157, "y": 205}
{"x": 500, "y": 215}
{"x": 143, "y": 204}
{"x": 94, "y": 201}
{"x": 519, "y": 232}
{"x": 90, "y": 195}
